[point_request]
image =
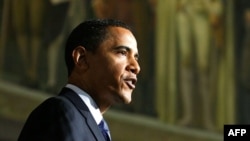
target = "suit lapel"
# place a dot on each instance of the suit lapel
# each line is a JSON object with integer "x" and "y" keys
{"x": 81, "y": 106}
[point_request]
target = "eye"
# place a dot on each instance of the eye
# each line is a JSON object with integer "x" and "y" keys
{"x": 122, "y": 52}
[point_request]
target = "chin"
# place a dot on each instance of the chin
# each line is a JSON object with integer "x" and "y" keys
{"x": 126, "y": 98}
{"x": 123, "y": 98}
{"x": 127, "y": 101}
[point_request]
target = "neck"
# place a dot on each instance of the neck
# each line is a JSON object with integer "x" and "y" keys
{"x": 102, "y": 105}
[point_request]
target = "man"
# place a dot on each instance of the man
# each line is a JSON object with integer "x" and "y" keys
{"x": 102, "y": 63}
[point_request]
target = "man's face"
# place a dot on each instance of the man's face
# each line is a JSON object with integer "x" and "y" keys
{"x": 113, "y": 68}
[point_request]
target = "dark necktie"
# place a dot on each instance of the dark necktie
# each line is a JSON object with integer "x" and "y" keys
{"x": 105, "y": 130}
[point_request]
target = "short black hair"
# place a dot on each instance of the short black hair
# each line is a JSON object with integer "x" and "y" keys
{"x": 89, "y": 34}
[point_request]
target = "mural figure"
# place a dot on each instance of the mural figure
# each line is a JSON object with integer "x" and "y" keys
{"x": 194, "y": 41}
{"x": 27, "y": 21}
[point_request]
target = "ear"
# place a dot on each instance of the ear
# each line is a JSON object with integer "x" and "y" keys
{"x": 79, "y": 57}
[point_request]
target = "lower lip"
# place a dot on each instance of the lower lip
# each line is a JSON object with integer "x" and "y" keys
{"x": 130, "y": 85}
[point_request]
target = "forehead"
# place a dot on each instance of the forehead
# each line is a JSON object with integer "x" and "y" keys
{"x": 119, "y": 36}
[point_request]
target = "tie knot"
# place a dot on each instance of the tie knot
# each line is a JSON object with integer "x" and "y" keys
{"x": 104, "y": 129}
{"x": 103, "y": 125}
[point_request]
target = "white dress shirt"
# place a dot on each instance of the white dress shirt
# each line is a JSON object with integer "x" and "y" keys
{"x": 87, "y": 99}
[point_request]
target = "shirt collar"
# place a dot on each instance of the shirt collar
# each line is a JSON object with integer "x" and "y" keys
{"x": 87, "y": 99}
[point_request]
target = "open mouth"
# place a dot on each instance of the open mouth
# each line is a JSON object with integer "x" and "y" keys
{"x": 131, "y": 82}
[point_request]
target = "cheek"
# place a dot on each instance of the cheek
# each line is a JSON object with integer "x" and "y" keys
{"x": 114, "y": 74}
{"x": 110, "y": 70}
{"x": 106, "y": 72}
{"x": 117, "y": 69}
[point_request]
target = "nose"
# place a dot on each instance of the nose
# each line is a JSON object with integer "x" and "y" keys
{"x": 133, "y": 66}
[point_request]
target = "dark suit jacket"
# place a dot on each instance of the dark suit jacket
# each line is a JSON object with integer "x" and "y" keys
{"x": 61, "y": 118}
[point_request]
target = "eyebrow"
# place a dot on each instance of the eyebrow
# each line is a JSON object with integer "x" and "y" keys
{"x": 127, "y": 49}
